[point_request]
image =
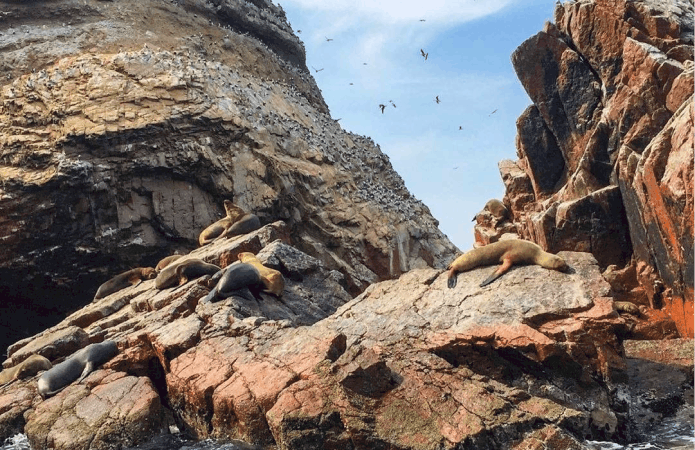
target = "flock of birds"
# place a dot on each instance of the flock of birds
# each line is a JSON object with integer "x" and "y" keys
{"x": 382, "y": 106}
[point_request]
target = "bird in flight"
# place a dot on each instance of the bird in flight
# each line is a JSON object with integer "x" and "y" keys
{"x": 382, "y": 106}
{"x": 424, "y": 54}
{"x": 436, "y": 99}
{"x": 392, "y": 104}
{"x": 317, "y": 70}
{"x": 328, "y": 39}
{"x": 493, "y": 112}
{"x": 460, "y": 127}
{"x": 422, "y": 20}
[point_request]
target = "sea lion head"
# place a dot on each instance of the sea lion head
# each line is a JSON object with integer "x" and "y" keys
{"x": 246, "y": 256}
{"x": 148, "y": 273}
{"x": 557, "y": 263}
{"x": 233, "y": 211}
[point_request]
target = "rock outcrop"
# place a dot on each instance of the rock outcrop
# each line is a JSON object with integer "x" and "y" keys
{"x": 124, "y": 125}
{"x": 606, "y": 150}
{"x": 408, "y": 364}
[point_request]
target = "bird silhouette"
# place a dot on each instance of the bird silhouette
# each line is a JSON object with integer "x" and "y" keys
{"x": 436, "y": 99}
{"x": 493, "y": 112}
{"x": 392, "y": 104}
{"x": 382, "y": 108}
{"x": 328, "y": 39}
{"x": 317, "y": 70}
{"x": 460, "y": 127}
{"x": 425, "y": 55}
{"x": 422, "y": 20}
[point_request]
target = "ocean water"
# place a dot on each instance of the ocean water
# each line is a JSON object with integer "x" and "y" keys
{"x": 674, "y": 433}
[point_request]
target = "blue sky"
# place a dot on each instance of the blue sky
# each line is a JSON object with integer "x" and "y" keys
{"x": 376, "y": 47}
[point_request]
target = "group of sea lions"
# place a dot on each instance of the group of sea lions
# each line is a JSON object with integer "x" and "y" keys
{"x": 56, "y": 378}
{"x": 244, "y": 276}
{"x": 176, "y": 270}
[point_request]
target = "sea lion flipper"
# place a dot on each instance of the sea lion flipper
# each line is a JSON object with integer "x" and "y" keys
{"x": 451, "y": 281}
{"x": 501, "y": 270}
{"x": 88, "y": 368}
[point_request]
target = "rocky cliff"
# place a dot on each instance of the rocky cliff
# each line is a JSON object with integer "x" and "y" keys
{"x": 124, "y": 125}
{"x": 606, "y": 149}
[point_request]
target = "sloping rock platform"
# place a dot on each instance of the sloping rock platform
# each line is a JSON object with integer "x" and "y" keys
{"x": 408, "y": 364}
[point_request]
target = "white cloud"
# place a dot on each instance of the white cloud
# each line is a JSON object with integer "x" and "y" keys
{"x": 398, "y": 11}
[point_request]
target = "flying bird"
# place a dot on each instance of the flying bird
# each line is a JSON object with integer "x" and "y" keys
{"x": 493, "y": 112}
{"x": 436, "y": 99}
{"x": 328, "y": 39}
{"x": 460, "y": 127}
{"x": 382, "y": 108}
{"x": 424, "y": 54}
{"x": 317, "y": 70}
{"x": 392, "y": 104}
{"x": 422, "y": 20}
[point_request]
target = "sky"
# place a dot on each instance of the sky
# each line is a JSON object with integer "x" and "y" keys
{"x": 366, "y": 53}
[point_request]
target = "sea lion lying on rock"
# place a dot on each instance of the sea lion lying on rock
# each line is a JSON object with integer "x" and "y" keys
{"x": 165, "y": 262}
{"x": 237, "y": 278}
{"x": 273, "y": 280}
{"x": 627, "y": 307}
{"x": 27, "y": 368}
{"x": 235, "y": 223}
{"x": 76, "y": 367}
{"x": 508, "y": 252}
{"x": 180, "y": 271}
{"x": 132, "y": 277}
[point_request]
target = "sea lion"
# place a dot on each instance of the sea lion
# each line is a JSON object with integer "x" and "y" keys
{"x": 234, "y": 279}
{"x": 76, "y": 367}
{"x": 130, "y": 278}
{"x": 272, "y": 279}
{"x": 496, "y": 208}
{"x": 627, "y": 307}
{"x": 235, "y": 223}
{"x": 27, "y": 368}
{"x": 181, "y": 271}
{"x": 166, "y": 261}
{"x": 507, "y": 252}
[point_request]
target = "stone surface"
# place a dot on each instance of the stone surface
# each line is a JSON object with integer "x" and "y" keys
{"x": 409, "y": 363}
{"x": 606, "y": 149}
{"x": 124, "y": 126}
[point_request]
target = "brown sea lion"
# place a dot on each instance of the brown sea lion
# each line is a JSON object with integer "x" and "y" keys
{"x": 27, "y": 368}
{"x": 273, "y": 280}
{"x": 166, "y": 261}
{"x": 508, "y": 252}
{"x": 627, "y": 307}
{"x": 238, "y": 278}
{"x": 76, "y": 367}
{"x": 180, "y": 271}
{"x": 235, "y": 223}
{"x": 496, "y": 208}
{"x": 130, "y": 278}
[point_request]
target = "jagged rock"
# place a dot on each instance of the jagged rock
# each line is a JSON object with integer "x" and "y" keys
{"x": 109, "y": 409}
{"x": 122, "y": 135}
{"x": 606, "y": 150}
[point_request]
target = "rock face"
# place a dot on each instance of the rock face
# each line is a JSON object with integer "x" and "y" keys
{"x": 408, "y": 364}
{"x": 124, "y": 125}
{"x": 606, "y": 149}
